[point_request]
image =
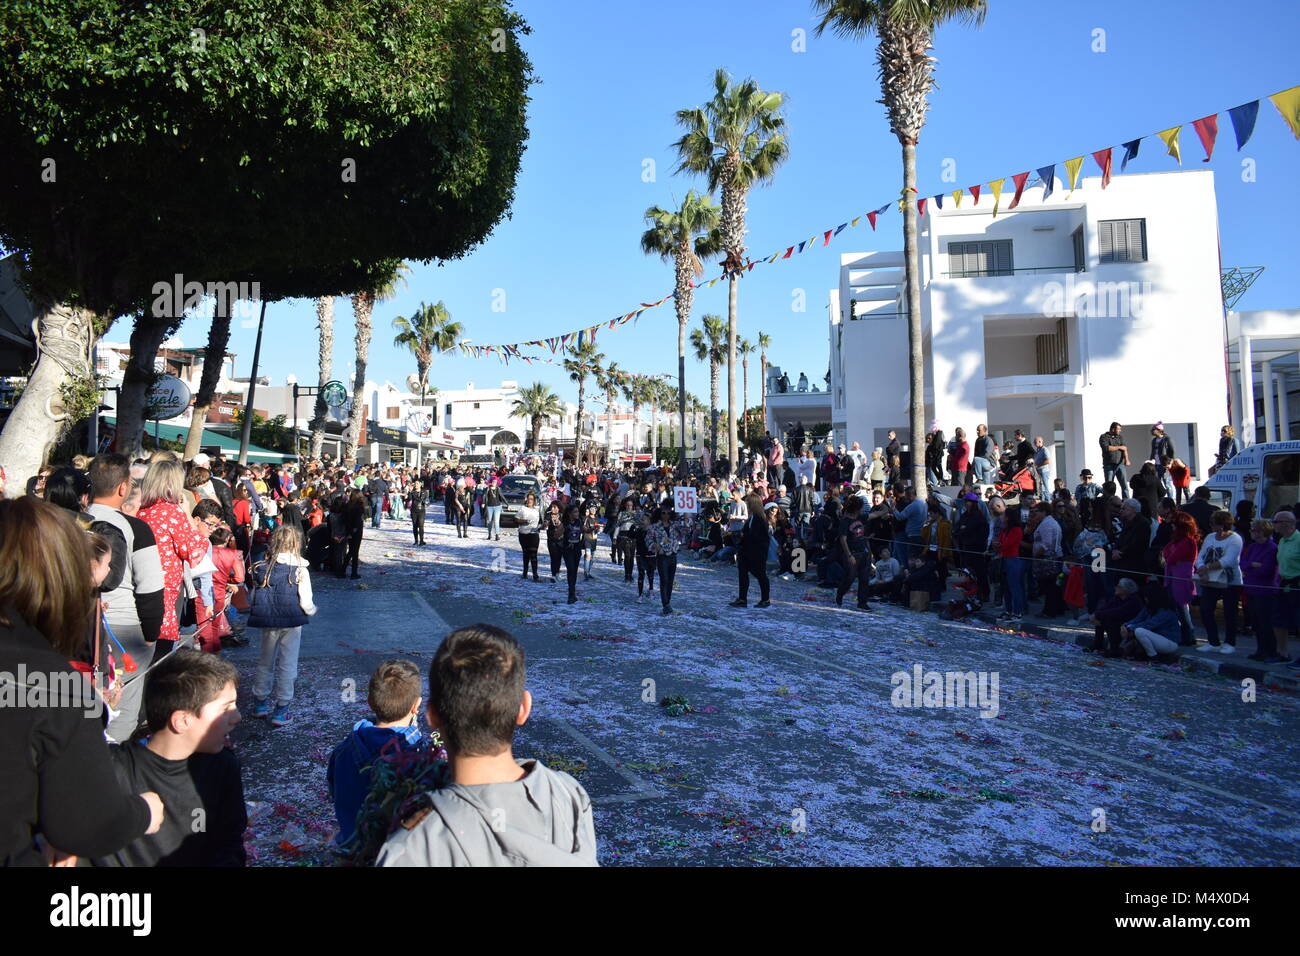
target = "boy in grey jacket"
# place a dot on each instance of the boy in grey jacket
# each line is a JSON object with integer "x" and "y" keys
{"x": 497, "y": 811}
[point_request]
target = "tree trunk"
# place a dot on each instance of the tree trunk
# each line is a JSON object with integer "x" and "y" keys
{"x": 714, "y": 369}
{"x": 66, "y": 342}
{"x": 744, "y": 399}
{"x": 654, "y": 436}
{"x": 147, "y": 337}
{"x": 916, "y": 358}
{"x": 214, "y": 359}
{"x": 578, "y": 457}
{"x": 733, "y": 446}
{"x": 363, "y": 306}
{"x": 325, "y": 321}
{"x": 762, "y": 386}
{"x": 681, "y": 391}
{"x": 636, "y": 428}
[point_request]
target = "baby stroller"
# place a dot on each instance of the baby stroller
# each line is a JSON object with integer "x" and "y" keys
{"x": 1018, "y": 484}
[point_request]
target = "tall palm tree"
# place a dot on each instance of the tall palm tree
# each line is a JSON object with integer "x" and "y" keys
{"x": 904, "y": 30}
{"x": 710, "y": 344}
{"x": 683, "y": 236}
{"x": 764, "y": 343}
{"x": 744, "y": 349}
{"x": 363, "y": 307}
{"x": 583, "y": 360}
{"x": 609, "y": 379}
{"x": 325, "y": 344}
{"x": 538, "y": 404}
{"x": 427, "y": 332}
{"x": 737, "y": 139}
{"x": 668, "y": 403}
{"x": 633, "y": 393}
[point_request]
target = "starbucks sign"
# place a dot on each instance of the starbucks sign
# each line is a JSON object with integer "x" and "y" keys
{"x": 334, "y": 394}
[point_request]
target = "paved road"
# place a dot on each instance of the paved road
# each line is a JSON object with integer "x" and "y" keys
{"x": 795, "y": 753}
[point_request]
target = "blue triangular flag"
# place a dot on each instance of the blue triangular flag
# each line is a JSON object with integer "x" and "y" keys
{"x": 1243, "y": 121}
{"x": 884, "y": 208}
{"x": 802, "y": 244}
{"x": 1130, "y": 152}
{"x": 1048, "y": 175}
{"x": 938, "y": 200}
{"x": 841, "y": 227}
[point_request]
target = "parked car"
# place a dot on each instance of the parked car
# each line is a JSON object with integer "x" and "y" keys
{"x": 513, "y": 490}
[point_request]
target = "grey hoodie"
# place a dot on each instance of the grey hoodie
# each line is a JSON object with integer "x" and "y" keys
{"x": 543, "y": 819}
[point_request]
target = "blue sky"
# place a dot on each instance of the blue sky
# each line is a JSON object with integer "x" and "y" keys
{"x": 1025, "y": 90}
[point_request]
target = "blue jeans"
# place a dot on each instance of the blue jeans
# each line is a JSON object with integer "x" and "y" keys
{"x": 983, "y": 469}
{"x": 494, "y": 521}
{"x": 277, "y": 666}
{"x": 1014, "y": 598}
{"x": 376, "y": 510}
{"x": 1117, "y": 474}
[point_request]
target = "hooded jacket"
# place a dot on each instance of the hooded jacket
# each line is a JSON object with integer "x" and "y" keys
{"x": 543, "y": 819}
{"x": 348, "y": 773}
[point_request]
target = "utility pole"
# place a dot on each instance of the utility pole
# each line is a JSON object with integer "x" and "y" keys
{"x": 247, "y": 430}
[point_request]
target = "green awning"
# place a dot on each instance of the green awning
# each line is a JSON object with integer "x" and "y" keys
{"x": 228, "y": 445}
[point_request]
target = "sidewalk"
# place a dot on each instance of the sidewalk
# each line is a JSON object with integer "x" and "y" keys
{"x": 1236, "y": 666}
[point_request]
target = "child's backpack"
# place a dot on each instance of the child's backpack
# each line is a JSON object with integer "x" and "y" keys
{"x": 401, "y": 779}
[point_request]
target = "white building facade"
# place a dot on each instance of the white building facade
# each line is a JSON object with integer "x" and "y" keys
{"x": 1057, "y": 317}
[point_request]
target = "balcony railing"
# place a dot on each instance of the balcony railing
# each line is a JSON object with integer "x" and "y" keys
{"x": 994, "y": 273}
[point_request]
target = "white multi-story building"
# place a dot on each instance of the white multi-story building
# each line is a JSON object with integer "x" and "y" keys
{"x": 1057, "y": 317}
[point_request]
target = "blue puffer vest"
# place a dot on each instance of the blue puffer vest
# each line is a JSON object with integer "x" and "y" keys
{"x": 276, "y": 605}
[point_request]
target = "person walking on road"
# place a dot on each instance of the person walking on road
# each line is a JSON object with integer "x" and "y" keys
{"x": 664, "y": 539}
{"x": 529, "y": 518}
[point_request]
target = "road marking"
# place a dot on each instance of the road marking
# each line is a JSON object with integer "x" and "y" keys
{"x": 643, "y": 791}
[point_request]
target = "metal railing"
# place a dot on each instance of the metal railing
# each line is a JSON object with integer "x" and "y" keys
{"x": 994, "y": 273}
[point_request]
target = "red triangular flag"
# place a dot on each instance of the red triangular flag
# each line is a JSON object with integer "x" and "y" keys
{"x": 1207, "y": 128}
{"x": 1102, "y": 156}
{"x": 1019, "y": 179}
{"x": 788, "y": 252}
{"x": 975, "y": 191}
{"x": 920, "y": 207}
{"x": 828, "y": 237}
{"x": 871, "y": 218}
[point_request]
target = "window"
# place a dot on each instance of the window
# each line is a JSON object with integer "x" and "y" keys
{"x": 975, "y": 259}
{"x": 1123, "y": 240}
{"x": 1053, "y": 351}
{"x": 448, "y": 412}
{"x": 476, "y": 405}
{"x": 393, "y": 412}
{"x": 1080, "y": 255}
{"x": 478, "y": 439}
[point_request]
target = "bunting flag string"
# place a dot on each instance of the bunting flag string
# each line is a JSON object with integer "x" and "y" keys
{"x": 1243, "y": 119}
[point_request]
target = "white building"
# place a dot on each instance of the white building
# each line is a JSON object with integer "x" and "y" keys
{"x": 1270, "y": 343}
{"x": 1057, "y": 317}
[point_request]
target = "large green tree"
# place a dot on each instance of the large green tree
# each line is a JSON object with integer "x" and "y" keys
{"x": 538, "y": 404}
{"x": 737, "y": 140}
{"x": 428, "y": 332}
{"x": 683, "y": 236}
{"x": 904, "y": 31}
{"x": 304, "y": 150}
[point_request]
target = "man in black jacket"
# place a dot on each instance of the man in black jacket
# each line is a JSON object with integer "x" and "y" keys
{"x": 1114, "y": 457}
{"x": 854, "y": 554}
{"x": 970, "y": 535}
{"x": 1202, "y": 510}
{"x": 751, "y": 556}
{"x": 1129, "y": 556}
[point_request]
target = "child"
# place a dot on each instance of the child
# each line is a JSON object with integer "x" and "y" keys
{"x": 227, "y": 580}
{"x": 394, "y": 696}
{"x": 281, "y": 603}
{"x": 967, "y": 602}
{"x": 496, "y": 811}
{"x": 189, "y": 702}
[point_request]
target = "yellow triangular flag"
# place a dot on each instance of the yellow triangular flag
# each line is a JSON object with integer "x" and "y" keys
{"x": 855, "y": 222}
{"x": 995, "y": 187}
{"x": 773, "y": 259}
{"x": 1170, "y": 137}
{"x": 1288, "y": 104}
{"x": 1072, "y": 167}
{"x": 956, "y": 195}
{"x": 712, "y": 283}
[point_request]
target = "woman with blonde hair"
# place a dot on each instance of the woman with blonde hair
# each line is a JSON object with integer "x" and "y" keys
{"x": 60, "y": 789}
{"x": 281, "y": 602}
{"x": 179, "y": 536}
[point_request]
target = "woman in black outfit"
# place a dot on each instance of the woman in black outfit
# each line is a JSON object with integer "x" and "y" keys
{"x": 573, "y": 528}
{"x": 555, "y": 538}
{"x": 1146, "y": 488}
{"x": 529, "y": 533}
{"x": 646, "y": 561}
{"x": 355, "y": 516}
{"x": 751, "y": 558}
{"x": 624, "y": 524}
{"x": 61, "y": 795}
{"x": 418, "y": 502}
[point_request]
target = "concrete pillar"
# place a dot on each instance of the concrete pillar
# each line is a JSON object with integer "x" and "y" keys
{"x": 1283, "y": 428}
{"x": 1246, "y": 433}
{"x": 1270, "y": 413}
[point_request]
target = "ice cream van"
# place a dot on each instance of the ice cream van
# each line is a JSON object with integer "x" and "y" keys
{"x": 1267, "y": 474}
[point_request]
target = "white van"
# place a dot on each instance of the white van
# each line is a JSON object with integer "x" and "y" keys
{"x": 1267, "y": 474}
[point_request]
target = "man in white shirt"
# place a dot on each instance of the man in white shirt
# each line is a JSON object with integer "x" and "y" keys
{"x": 859, "y": 462}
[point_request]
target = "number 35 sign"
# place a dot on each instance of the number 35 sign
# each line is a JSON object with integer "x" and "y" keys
{"x": 684, "y": 500}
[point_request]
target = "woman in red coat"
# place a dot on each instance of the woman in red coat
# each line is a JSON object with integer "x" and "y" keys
{"x": 180, "y": 538}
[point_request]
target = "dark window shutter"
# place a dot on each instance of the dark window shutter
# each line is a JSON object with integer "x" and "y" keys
{"x": 1137, "y": 240}
{"x": 956, "y": 258}
{"x": 1080, "y": 263}
{"x": 1002, "y": 264}
{"x": 1106, "y": 235}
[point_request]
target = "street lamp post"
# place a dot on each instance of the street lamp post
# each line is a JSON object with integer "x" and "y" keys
{"x": 247, "y": 430}
{"x": 307, "y": 391}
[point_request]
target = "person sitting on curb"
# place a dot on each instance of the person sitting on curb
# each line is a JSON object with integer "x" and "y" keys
{"x": 1112, "y": 614}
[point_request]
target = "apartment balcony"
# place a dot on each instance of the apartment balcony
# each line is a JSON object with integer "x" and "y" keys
{"x": 1034, "y": 386}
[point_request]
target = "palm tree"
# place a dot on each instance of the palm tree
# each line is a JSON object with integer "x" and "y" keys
{"x": 609, "y": 379}
{"x": 633, "y": 392}
{"x": 738, "y": 140}
{"x": 583, "y": 360}
{"x": 904, "y": 30}
{"x": 325, "y": 322}
{"x": 764, "y": 343}
{"x": 363, "y": 307}
{"x": 683, "y": 236}
{"x": 668, "y": 402}
{"x": 744, "y": 349}
{"x": 429, "y": 331}
{"x": 538, "y": 404}
{"x": 710, "y": 344}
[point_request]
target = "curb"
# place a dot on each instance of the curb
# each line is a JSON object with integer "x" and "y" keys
{"x": 1202, "y": 663}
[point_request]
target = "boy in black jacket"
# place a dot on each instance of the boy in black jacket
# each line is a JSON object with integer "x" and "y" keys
{"x": 189, "y": 701}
